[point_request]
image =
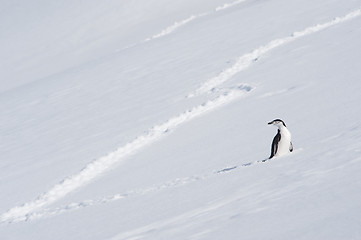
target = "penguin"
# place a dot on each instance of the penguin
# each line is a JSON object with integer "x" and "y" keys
{"x": 281, "y": 144}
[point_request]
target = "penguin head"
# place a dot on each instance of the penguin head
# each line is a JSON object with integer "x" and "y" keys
{"x": 277, "y": 122}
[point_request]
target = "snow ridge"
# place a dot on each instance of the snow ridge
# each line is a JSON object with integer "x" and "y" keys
{"x": 181, "y": 23}
{"x": 228, "y": 5}
{"x": 174, "y": 27}
{"x": 103, "y": 164}
{"x": 245, "y": 61}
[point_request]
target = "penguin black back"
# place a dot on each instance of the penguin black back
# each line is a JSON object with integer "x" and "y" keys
{"x": 281, "y": 143}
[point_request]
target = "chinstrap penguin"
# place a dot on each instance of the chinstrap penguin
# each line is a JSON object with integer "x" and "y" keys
{"x": 281, "y": 144}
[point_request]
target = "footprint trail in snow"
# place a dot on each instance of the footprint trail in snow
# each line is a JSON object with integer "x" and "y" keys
{"x": 103, "y": 164}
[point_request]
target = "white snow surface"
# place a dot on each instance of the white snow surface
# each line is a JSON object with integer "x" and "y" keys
{"x": 147, "y": 119}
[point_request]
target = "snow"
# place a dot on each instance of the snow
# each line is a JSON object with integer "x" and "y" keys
{"x": 148, "y": 119}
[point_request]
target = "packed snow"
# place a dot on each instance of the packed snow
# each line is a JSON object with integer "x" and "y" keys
{"x": 147, "y": 119}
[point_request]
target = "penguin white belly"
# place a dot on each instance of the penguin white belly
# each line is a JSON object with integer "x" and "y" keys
{"x": 284, "y": 144}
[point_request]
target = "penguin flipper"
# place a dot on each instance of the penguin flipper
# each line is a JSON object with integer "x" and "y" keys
{"x": 275, "y": 142}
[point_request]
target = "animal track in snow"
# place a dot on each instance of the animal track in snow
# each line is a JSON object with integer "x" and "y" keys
{"x": 172, "y": 28}
{"x": 50, "y": 212}
{"x": 103, "y": 164}
{"x": 181, "y": 23}
{"x": 178, "y": 182}
{"x": 228, "y": 5}
{"x": 246, "y": 60}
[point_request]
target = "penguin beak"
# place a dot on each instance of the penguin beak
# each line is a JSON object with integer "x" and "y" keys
{"x": 270, "y": 123}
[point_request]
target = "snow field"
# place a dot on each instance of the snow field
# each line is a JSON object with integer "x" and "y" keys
{"x": 196, "y": 174}
{"x": 98, "y": 167}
